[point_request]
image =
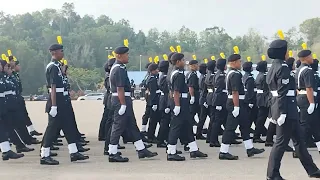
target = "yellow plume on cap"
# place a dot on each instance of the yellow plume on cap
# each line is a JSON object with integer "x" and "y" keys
{"x": 179, "y": 49}
{"x": 172, "y": 49}
{"x": 150, "y": 59}
{"x": 165, "y": 57}
{"x": 9, "y": 53}
{"x": 314, "y": 56}
{"x": 236, "y": 50}
{"x": 65, "y": 62}
{"x": 114, "y": 54}
{"x": 156, "y": 59}
{"x": 280, "y": 34}
{"x": 222, "y": 55}
{"x": 213, "y": 58}
{"x": 126, "y": 43}
{"x": 110, "y": 56}
{"x": 194, "y": 57}
{"x": 304, "y": 46}
{"x": 59, "y": 39}
{"x": 263, "y": 57}
{"x": 205, "y": 60}
{"x": 4, "y": 57}
{"x": 290, "y": 53}
{"x": 14, "y": 58}
{"x": 249, "y": 59}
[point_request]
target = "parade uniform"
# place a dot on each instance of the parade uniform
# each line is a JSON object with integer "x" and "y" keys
{"x": 102, "y": 127}
{"x": 284, "y": 111}
{"x": 193, "y": 82}
{"x": 145, "y": 93}
{"x": 204, "y": 108}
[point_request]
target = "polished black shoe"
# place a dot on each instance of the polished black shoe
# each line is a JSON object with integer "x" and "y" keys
{"x": 178, "y": 152}
{"x": 315, "y": 174}
{"x": 200, "y": 137}
{"x": 121, "y": 147}
{"x": 289, "y": 149}
{"x": 60, "y": 136}
{"x": 82, "y": 134}
{"x": 35, "y": 141}
{"x": 81, "y": 144}
{"x": 215, "y": 144}
{"x": 78, "y": 157}
{"x": 53, "y": 154}
{"x": 251, "y": 152}
{"x": 268, "y": 144}
{"x": 175, "y": 157}
{"x": 57, "y": 144}
{"x": 59, "y": 140}
{"x": 227, "y": 156}
{"x": 24, "y": 149}
{"x": 106, "y": 153}
{"x": 48, "y": 161}
{"x": 53, "y": 148}
{"x": 83, "y": 141}
{"x": 276, "y": 178}
{"x": 162, "y": 145}
{"x": 82, "y": 149}
{"x": 186, "y": 148}
{"x": 294, "y": 155}
{"x": 148, "y": 145}
{"x": 11, "y": 155}
{"x": 117, "y": 158}
{"x": 236, "y": 142}
{"x": 258, "y": 140}
{"x": 35, "y": 133}
{"x": 198, "y": 154}
{"x": 145, "y": 153}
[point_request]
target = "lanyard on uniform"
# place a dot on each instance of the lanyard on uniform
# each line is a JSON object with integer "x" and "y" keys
{"x": 172, "y": 74}
{"x": 112, "y": 68}
{"x": 299, "y": 74}
{"x": 230, "y": 72}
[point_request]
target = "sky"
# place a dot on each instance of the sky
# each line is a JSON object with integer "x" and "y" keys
{"x": 236, "y": 16}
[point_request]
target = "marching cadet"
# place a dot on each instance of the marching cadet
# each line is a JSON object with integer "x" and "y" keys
{"x": 181, "y": 112}
{"x": 262, "y": 97}
{"x": 124, "y": 118}
{"x": 237, "y": 111}
{"x": 307, "y": 92}
{"x": 194, "y": 93}
{"x": 56, "y": 108}
{"x": 153, "y": 101}
{"x": 5, "y": 148}
{"x": 219, "y": 100}
{"x": 164, "y": 106}
{"x": 285, "y": 113}
{"x": 204, "y": 108}
{"x": 314, "y": 67}
{"x": 146, "y": 115}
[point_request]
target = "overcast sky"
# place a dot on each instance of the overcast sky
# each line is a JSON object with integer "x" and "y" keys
{"x": 236, "y": 16}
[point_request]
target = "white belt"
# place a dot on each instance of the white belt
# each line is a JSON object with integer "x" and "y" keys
{"x": 259, "y": 91}
{"x": 210, "y": 90}
{"x": 65, "y": 93}
{"x": 58, "y": 90}
{"x": 289, "y": 93}
{"x": 240, "y": 97}
{"x": 305, "y": 92}
{"x": 9, "y": 92}
{"x": 183, "y": 95}
{"x": 125, "y": 94}
{"x": 158, "y": 91}
{"x": 2, "y": 94}
{"x": 224, "y": 90}
{"x": 255, "y": 90}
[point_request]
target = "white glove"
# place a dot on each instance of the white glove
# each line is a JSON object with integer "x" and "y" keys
{"x": 219, "y": 108}
{"x": 281, "y": 119}
{"x": 122, "y": 110}
{"x": 251, "y": 106}
{"x": 236, "y": 111}
{"x": 176, "y": 110}
{"x": 192, "y": 100}
{"x": 205, "y": 105}
{"x": 154, "y": 107}
{"x": 298, "y": 109}
{"x": 53, "y": 111}
{"x": 311, "y": 108}
{"x": 167, "y": 110}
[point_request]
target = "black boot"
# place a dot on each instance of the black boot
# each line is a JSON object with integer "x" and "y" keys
{"x": 175, "y": 157}
{"x": 117, "y": 158}
{"x": 251, "y": 152}
{"x": 48, "y": 161}
{"x": 198, "y": 154}
{"x": 35, "y": 133}
{"x": 227, "y": 156}
{"x": 148, "y": 145}
{"x": 82, "y": 149}
{"x": 315, "y": 174}
{"x": 186, "y": 148}
{"x": 35, "y": 141}
{"x": 83, "y": 141}
{"x": 53, "y": 148}
{"x": 215, "y": 144}
{"x": 106, "y": 153}
{"x": 53, "y": 154}
{"x": 258, "y": 140}
{"x": 24, "y": 149}
{"x": 268, "y": 144}
{"x": 11, "y": 155}
{"x": 59, "y": 140}
{"x": 162, "y": 145}
{"x": 145, "y": 153}
{"x": 78, "y": 157}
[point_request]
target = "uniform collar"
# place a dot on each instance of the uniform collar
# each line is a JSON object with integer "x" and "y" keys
{"x": 305, "y": 64}
{"x": 118, "y": 62}
{"x": 178, "y": 68}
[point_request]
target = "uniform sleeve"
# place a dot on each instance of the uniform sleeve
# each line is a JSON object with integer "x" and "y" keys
{"x": 54, "y": 77}
{"x": 283, "y": 76}
{"x": 120, "y": 76}
{"x": 192, "y": 81}
{"x": 308, "y": 78}
{"x": 178, "y": 82}
{"x": 153, "y": 87}
{"x": 250, "y": 85}
{"x": 235, "y": 81}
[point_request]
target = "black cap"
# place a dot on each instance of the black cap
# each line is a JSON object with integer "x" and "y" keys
{"x": 152, "y": 67}
{"x": 290, "y": 63}
{"x": 203, "y": 68}
{"x": 193, "y": 62}
{"x": 3, "y": 63}
{"x": 234, "y": 57}
{"x": 177, "y": 57}
{"x": 278, "y": 44}
{"x": 314, "y": 65}
{"x": 304, "y": 53}
{"x": 262, "y": 66}
{"x": 211, "y": 65}
{"x": 121, "y": 50}
{"x": 278, "y": 49}
{"x": 163, "y": 66}
{"x": 247, "y": 66}
{"x": 55, "y": 47}
{"x": 221, "y": 63}
{"x": 147, "y": 65}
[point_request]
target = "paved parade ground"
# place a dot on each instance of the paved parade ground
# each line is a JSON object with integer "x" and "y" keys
{"x": 88, "y": 115}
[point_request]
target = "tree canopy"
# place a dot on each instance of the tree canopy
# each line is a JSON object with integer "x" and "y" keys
{"x": 85, "y": 40}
